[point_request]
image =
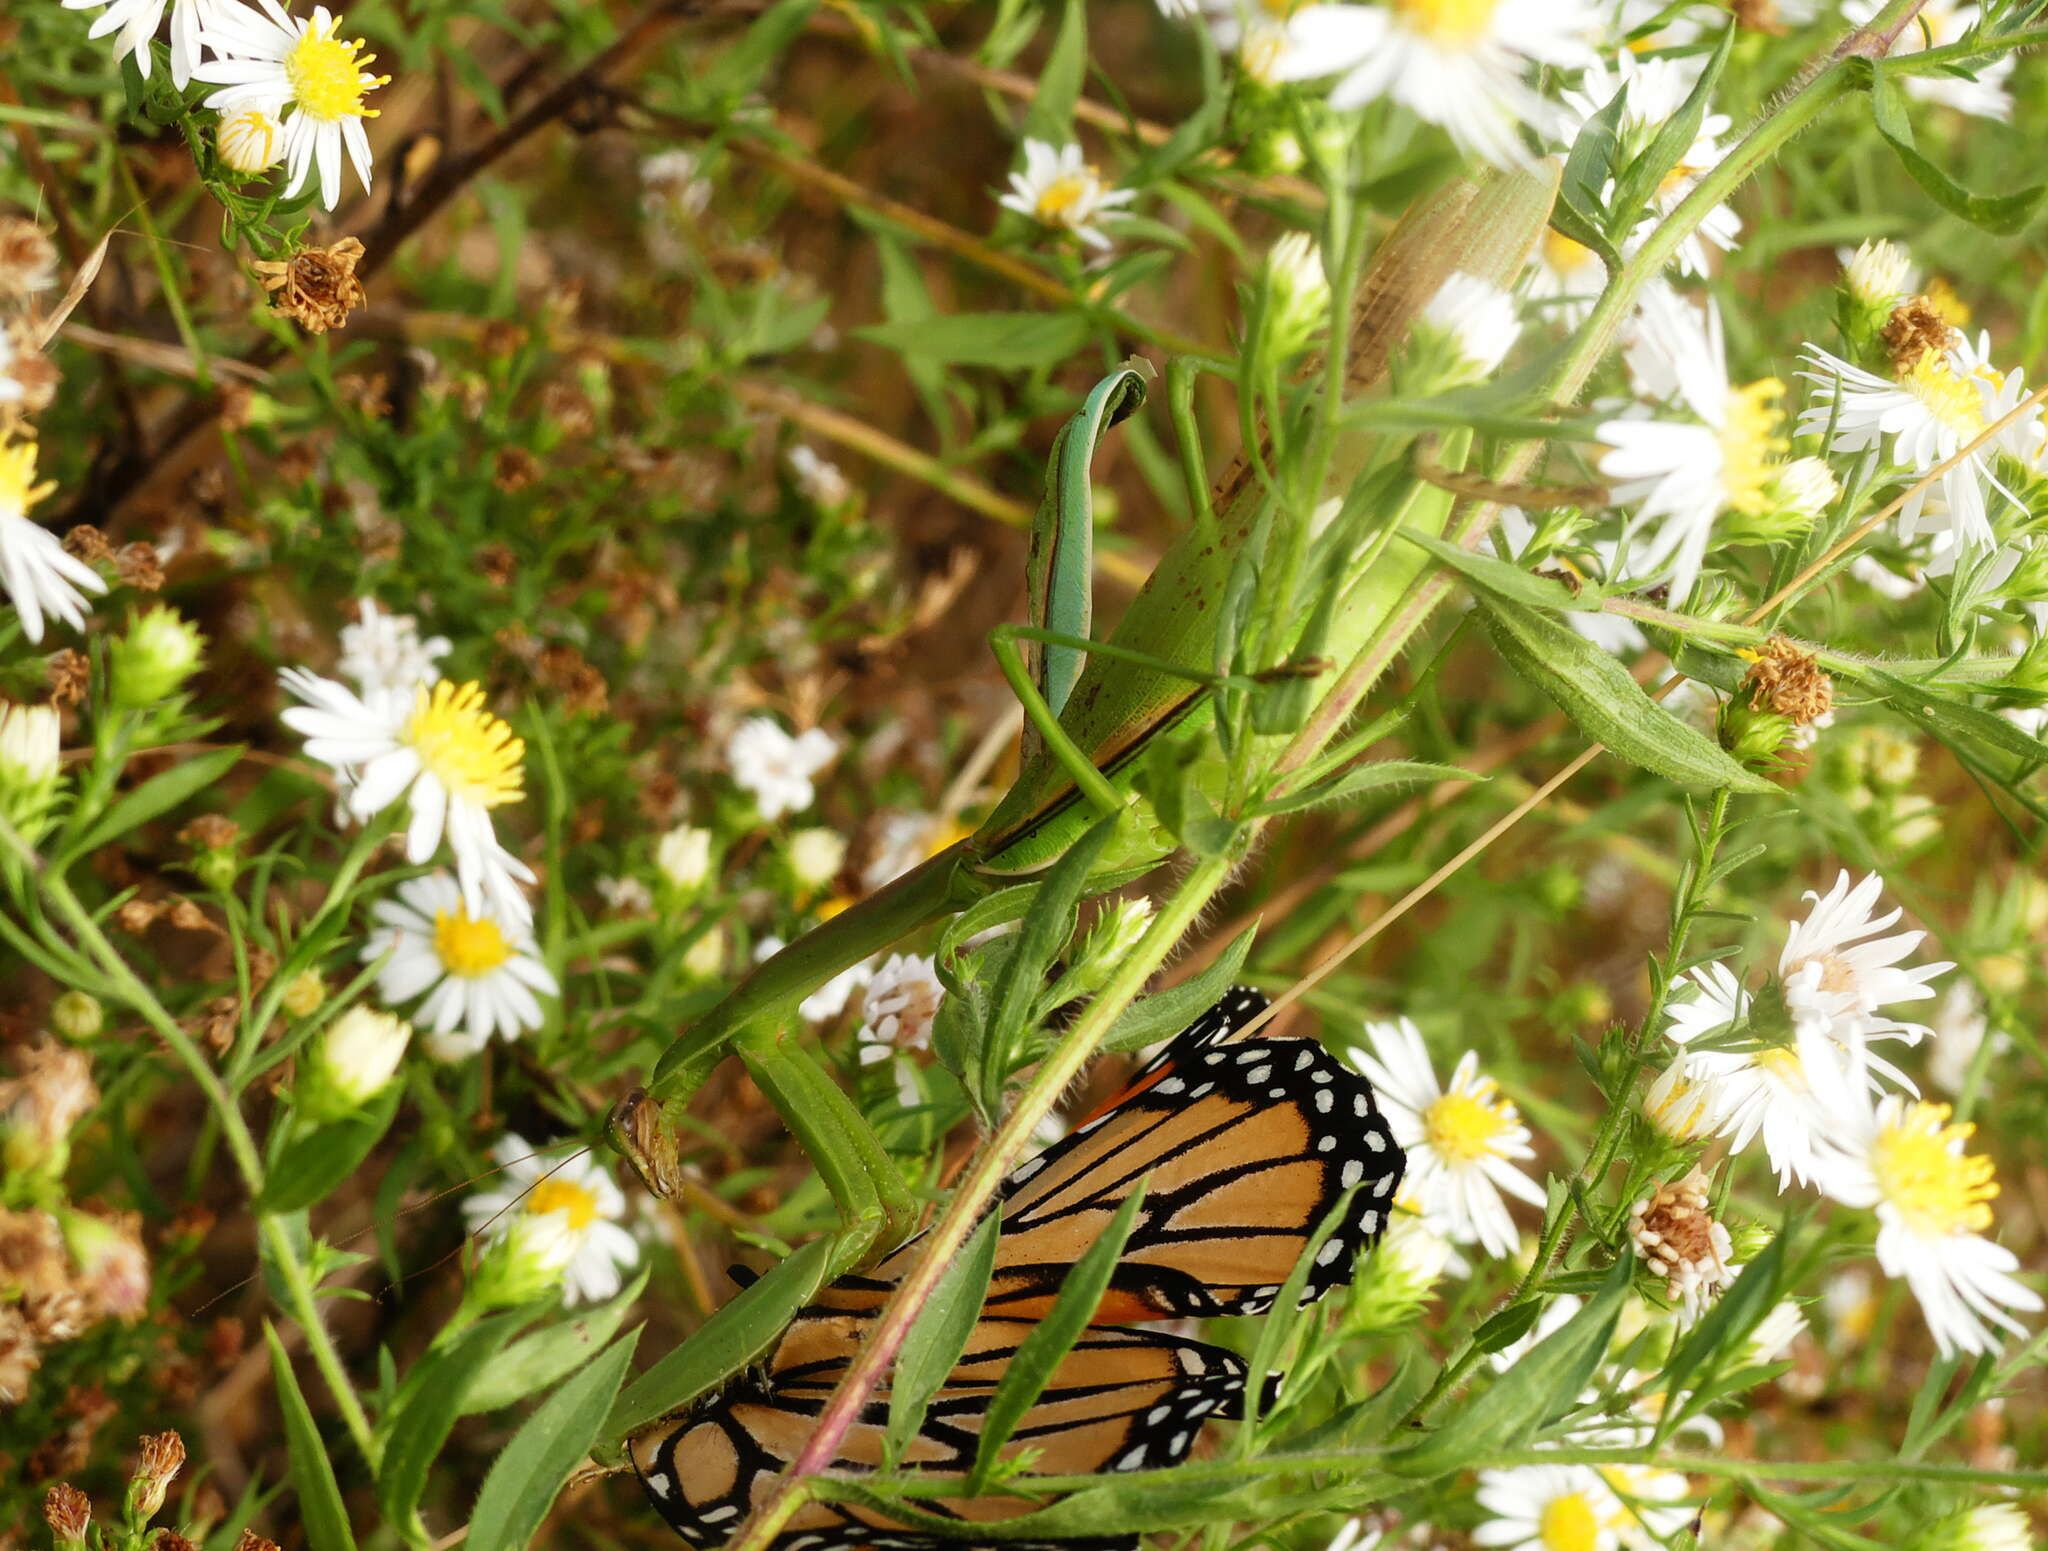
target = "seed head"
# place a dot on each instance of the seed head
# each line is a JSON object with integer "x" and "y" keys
{"x": 1915, "y": 328}
{"x": 68, "y": 1512}
{"x": 316, "y": 287}
{"x": 1790, "y": 682}
{"x": 1675, "y": 1232}
{"x": 163, "y": 1455}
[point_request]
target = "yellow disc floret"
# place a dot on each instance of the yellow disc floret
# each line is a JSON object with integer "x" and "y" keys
{"x": 469, "y": 946}
{"x": 18, "y": 489}
{"x": 1927, "y": 1178}
{"x": 1465, "y": 1126}
{"x": 327, "y": 75}
{"x": 1569, "y": 1524}
{"x": 1459, "y": 23}
{"x": 1954, "y": 401}
{"x": 562, "y": 1195}
{"x": 471, "y": 752}
{"x": 1750, "y": 445}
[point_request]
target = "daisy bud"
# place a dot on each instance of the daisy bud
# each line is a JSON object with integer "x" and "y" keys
{"x": 1297, "y": 292}
{"x": 1754, "y": 735}
{"x": 153, "y": 660}
{"x": 77, "y": 1016}
{"x": 1396, "y": 1282}
{"x": 1108, "y": 943}
{"x": 1878, "y": 276}
{"x": 353, "y": 1063}
{"x": 302, "y": 998}
{"x": 1993, "y": 1527}
{"x": 815, "y": 857}
{"x": 249, "y": 141}
{"x": 39, "y": 1107}
{"x": 526, "y": 1261}
{"x": 1463, "y": 333}
{"x": 1677, "y": 1106}
{"x": 684, "y": 857}
{"x": 163, "y": 1455}
{"x": 705, "y": 960}
{"x": 29, "y": 766}
{"x": 68, "y": 1512}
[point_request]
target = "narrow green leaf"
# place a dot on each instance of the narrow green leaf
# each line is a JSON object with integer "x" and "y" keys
{"x": 739, "y": 69}
{"x": 2004, "y": 214}
{"x": 1046, "y": 1346}
{"x": 1956, "y": 723}
{"x": 158, "y": 795}
{"x": 1046, "y": 927}
{"x": 1365, "y": 778}
{"x": 1503, "y": 578}
{"x": 320, "y": 1506}
{"x": 940, "y": 1335}
{"x": 725, "y": 1343}
{"x": 524, "y": 1479}
{"x": 1604, "y": 699}
{"x": 427, "y": 1409}
{"x": 1167, "y": 1012}
{"x": 534, "y": 1362}
{"x": 1051, "y": 115}
{"x": 1543, "y": 1382}
{"x": 1733, "y": 1315}
{"x": 1587, "y": 171}
{"x": 308, "y": 1167}
{"x": 1644, "y": 175}
{"x": 1009, "y": 341}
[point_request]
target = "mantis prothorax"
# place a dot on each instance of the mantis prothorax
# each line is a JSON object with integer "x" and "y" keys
{"x": 1210, "y": 675}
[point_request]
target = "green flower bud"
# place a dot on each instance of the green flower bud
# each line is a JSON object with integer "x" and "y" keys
{"x": 30, "y": 771}
{"x": 1297, "y": 292}
{"x": 684, "y": 857}
{"x": 152, "y": 661}
{"x": 526, "y": 1261}
{"x": 815, "y": 857}
{"x": 1108, "y": 943}
{"x": 1992, "y": 1527}
{"x": 1754, "y": 736}
{"x": 704, "y": 962}
{"x": 1397, "y": 1281}
{"x": 1877, "y": 279}
{"x": 353, "y": 1061}
{"x": 1461, "y": 336}
{"x": 77, "y": 1016}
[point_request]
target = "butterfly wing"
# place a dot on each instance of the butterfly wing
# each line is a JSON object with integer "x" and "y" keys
{"x": 1120, "y": 1400}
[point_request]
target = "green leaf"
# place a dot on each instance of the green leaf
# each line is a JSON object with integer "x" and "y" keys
{"x": 1543, "y": 1382}
{"x": 159, "y": 794}
{"x": 320, "y": 1506}
{"x": 1044, "y": 933}
{"x": 1167, "y": 1012}
{"x": 939, "y": 1335}
{"x": 1734, "y": 1314}
{"x": 1009, "y": 341}
{"x": 739, "y": 70}
{"x": 309, "y": 1167}
{"x": 1051, "y": 115}
{"x": 534, "y": 1362}
{"x": 1633, "y": 189}
{"x": 1581, "y": 189}
{"x": 1955, "y": 723}
{"x": 1606, "y": 702}
{"x": 725, "y": 1343}
{"x": 1503, "y": 578}
{"x": 429, "y": 1404}
{"x": 2004, "y": 214}
{"x": 1047, "y": 1344}
{"x": 523, "y": 1480}
{"x": 1365, "y": 778}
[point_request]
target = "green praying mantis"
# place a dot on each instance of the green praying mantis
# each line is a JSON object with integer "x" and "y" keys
{"x": 1227, "y": 688}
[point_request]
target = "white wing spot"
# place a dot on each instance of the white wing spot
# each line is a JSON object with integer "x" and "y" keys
{"x": 1360, "y": 1105}
{"x": 1158, "y": 1414}
{"x": 1330, "y": 1251}
{"x": 660, "y": 1485}
{"x": 1168, "y": 1085}
{"x": 1026, "y": 1169}
{"x": 1320, "y": 1076}
{"x": 1352, "y": 1173}
{"x": 1259, "y": 1074}
{"x": 1384, "y": 1186}
{"x": 1207, "y": 1087}
{"x": 1304, "y": 1060}
{"x": 1131, "y": 1459}
{"x": 1326, "y": 1143}
{"x": 1324, "y": 1101}
{"x": 1180, "y": 1443}
{"x": 1369, "y": 1223}
{"x": 715, "y": 1515}
{"x": 1375, "y": 1141}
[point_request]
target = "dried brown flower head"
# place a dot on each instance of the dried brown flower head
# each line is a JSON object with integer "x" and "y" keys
{"x": 58, "y": 1316}
{"x": 1916, "y": 326}
{"x": 113, "y": 1267}
{"x": 1675, "y": 1232}
{"x": 19, "y": 1355}
{"x": 139, "y": 566}
{"x": 87, "y": 543}
{"x": 162, "y": 1457}
{"x": 171, "y": 1540}
{"x": 211, "y": 832}
{"x": 502, "y": 337}
{"x": 32, "y": 1259}
{"x": 28, "y": 260}
{"x": 251, "y": 1541}
{"x": 67, "y": 1511}
{"x": 38, "y": 1107}
{"x": 561, "y": 667}
{"x": 69, "y": 674}
{"x": 497, "y": 564}
{"x": 1757, "y": 16}
{"x": 316, "y": 287}
{"x": 515, "y": 469}
{"x": 33, "y": 373}
{"x": 220, "y": 1021}
{"x": 569, "y": 407}
{"x": 1789, "y": 681}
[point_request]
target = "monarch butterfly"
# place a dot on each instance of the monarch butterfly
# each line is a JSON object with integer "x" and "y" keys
{"x": 1246, "y": 1146}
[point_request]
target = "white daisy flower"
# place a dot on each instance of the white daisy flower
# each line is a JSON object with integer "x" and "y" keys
{"x": 480, "y": 975}
{"x": 1838, "y": 974}
{"x": 1255, "y": 31}
{"x": 273, "y": 60}
{"x": 1478, "y": 318}
{"x": 1059, "y": 189}
{"x": 1681, "y": 477}
{"x": 137, "y": 21}
{"x": 1462, "y": 1140}
{"x": 440, "y": 749}
{"x": 1652, "y": 1508}
{"x": 776, "y": 768}
{"x": 1652, "y": 92}
{"x": 1548, "y": 1508}
{"x": 1883, "y": 580}
{"x": 672, "y": 181}
{"x": 1988, "y": 1527}
{"x": 897, "y": 1010}
{"x": 1774, "y": 1334}
{"x": 830, "y": 999}
{"x": 39, "y": 577}
{"x": 1903, "y": 1158}
{"x": 818, "y": 478}
{"x": 1878, "y": 275}
{"x": 1937, "y": 25}
{"x": 1942, "y": 402}
{"x": 384, "y": 651}
{"x": 1457, "y": 63}
{"x": 580, "y": 1194}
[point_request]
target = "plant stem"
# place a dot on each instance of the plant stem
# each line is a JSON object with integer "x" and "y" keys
{"x": 945, "y": 1239}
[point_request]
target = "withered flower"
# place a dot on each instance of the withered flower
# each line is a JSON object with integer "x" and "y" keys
{"x": 28, "y": 261}
{"x": 1789, "y": 681}
{"x": 67, "y": 1511}
{"x": 162, "y": 1457}
{"x": 316, "y": 287}
{"x": 1916, "y": 326}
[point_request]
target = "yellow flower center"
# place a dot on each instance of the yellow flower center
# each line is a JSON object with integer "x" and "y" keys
{"x": 1750, "y": 444}
{"x": 559, "y": 1195}
{"x": 326, "y": 74}
{"x": 18, "y": 489}
{"x": 1464, "y": 1127}
{"x": 1952, "y": 400}
{"x": 1563, "y": 255}
{"x": 469, "y": 946}
{"x": 1782, "y": 1062}
{"x": 1460, "y": 23}
{"x": 470, "y": 751}
{"x": 1058, "y": 198}
{"x": 1568, "y": 1523}
{"x": 1928, "y": 1178}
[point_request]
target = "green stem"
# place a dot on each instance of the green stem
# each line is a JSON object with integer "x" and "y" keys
{"x": 301, "y": 1299}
